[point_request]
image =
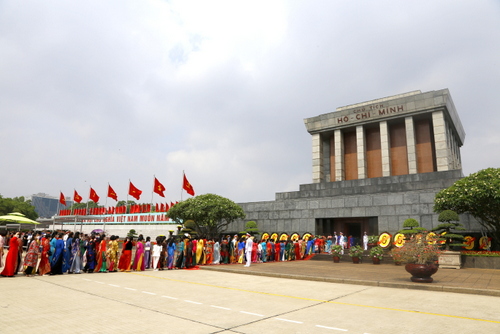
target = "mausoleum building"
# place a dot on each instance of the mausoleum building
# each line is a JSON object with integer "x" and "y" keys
{"x": 374, "y": 164}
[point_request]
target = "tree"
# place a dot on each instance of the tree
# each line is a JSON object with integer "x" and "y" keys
{"x": 17, "y": 204}
{"x": 211, "y": 213}
{"x": 251, "y": 227}
{"x": 446, "y": 229}
{"x": 122, "y": 203}
{"x": 132, "y": 233}
{"x": 189, "y": 228}
{"x": 83, "y": 205}
{"x": 411, "y": 226}
{"x": 477, "y": 194}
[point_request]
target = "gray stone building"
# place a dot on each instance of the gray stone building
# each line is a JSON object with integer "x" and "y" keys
{"x": 374, "y": 164}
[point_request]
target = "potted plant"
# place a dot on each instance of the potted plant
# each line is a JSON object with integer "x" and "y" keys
{"x": 411, "y": 227}
{"x": 397, "y": 256}
{"x": 355, "y": 252}
{"x": 337, "y": 251}
{"x": 372, "y": 240}
{"x": 420, "y": 253}
{"x": 377, "y": 254}
{"x": 448, "y": 258}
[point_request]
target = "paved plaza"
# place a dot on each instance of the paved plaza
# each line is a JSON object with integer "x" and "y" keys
{"x": 322, "y": 268}
{"x": 286, "y": 297}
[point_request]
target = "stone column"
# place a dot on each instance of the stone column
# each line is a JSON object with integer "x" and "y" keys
{"x": 339, "y": 155}
{"x": 440, "y": 141}
{"x": 317, "y": 158}
{"x": 360, "y": 142}
{"x": 384, "y": 147}
{"x": 410, "y": 145}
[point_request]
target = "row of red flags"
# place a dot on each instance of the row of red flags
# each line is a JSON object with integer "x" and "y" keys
{"x": 132, "y": 191}
{"x": 134, "y": 208}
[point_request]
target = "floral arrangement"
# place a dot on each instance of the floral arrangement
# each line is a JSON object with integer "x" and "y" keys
{"x": 336, "y": 250}
{"x": 396, "y": 254}
{"x": 419, "y": 250}
{"x": 356, "y": 251}
{"x": 481, "y": 253}
{"x": 377, "y": 252}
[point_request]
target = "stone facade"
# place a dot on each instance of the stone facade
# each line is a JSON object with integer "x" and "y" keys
{"x": 415, "y": 133}
{"x": 374, "y": 164}
{"x": 384, "y": 202}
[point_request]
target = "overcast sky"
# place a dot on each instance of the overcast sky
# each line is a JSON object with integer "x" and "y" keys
{"x": 93, "y": 92}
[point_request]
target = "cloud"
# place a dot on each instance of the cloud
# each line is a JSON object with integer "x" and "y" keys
{"x": 95, "y": 92}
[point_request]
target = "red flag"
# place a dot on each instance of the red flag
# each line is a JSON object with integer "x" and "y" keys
{"x": 62, "y": 200}
{"x": 159, "y": 188}
{"x": 134, "y": 192}
{"x": 171, "y": 205}
{"x": 157, "y": 208}
{"x": 93, "y": 195}
{"x": 111, "y": 193}
{"x": 77, "y": 198}
{"x": 187, "y": 186}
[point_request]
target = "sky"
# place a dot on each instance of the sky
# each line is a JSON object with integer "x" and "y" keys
{"x": 106, "y": 92}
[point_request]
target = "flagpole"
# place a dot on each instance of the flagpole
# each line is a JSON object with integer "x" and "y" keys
{"x": 126, "y": 203}
{"x": 182, "y": 186}
{"x": 105, "y": 206}
{"x": 152, "y": 191}
{"x": 57, "y": 214}
{"x": 87, "y": 209}
{"x": 73, "y": 206}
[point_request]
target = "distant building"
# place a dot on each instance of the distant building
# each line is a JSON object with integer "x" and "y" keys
{"x": 47, "y": 206}
{"x": 374, "y": 164}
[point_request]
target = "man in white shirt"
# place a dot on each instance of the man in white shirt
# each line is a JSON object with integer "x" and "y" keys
{"x": 248, "y": 249}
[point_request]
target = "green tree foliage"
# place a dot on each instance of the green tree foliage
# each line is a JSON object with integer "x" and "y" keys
{"x": 17, "y": 204}
{"x": 122, "y": 203}
{"x": 83, "y": 205}
{"x": 132, "y": 233}
{"x": 446, "y": 229}
{"x": 251, "y": 227}
{"x": 189, "y": 228}
{"x": 411, "y": 226}
{"x": 211, "y": 213}
{"x": 477, "y": 194}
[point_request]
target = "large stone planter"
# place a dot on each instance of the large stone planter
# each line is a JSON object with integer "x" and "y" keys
{"x": 450, "y": 260}
{"x": 421, "y": 273}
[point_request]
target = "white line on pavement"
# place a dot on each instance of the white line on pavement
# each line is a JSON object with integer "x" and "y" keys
{"x": 131, "y": 289}
{"x": 149, "y": 293}
{"x": 223, "y": 308}
{"x": 190, "y": 301}
{"x": 169, "y": 297}
{"x": 99, "y": 282}
{"x": 297, "y": 322}
{"x": 86, "y": 279}
{"x": 116, "y": 286}
{"x": 335, "y": 329}
{"x": 256, "y": 314}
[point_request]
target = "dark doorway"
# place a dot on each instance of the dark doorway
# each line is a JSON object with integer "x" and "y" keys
{"x": 354, "y": 230}
{"x": 354, "y": 226}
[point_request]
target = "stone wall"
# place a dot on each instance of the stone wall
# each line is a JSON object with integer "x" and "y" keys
{"x": 391, "y": 199}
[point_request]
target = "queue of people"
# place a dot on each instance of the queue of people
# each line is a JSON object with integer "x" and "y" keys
{"x": 62, "y": 252}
